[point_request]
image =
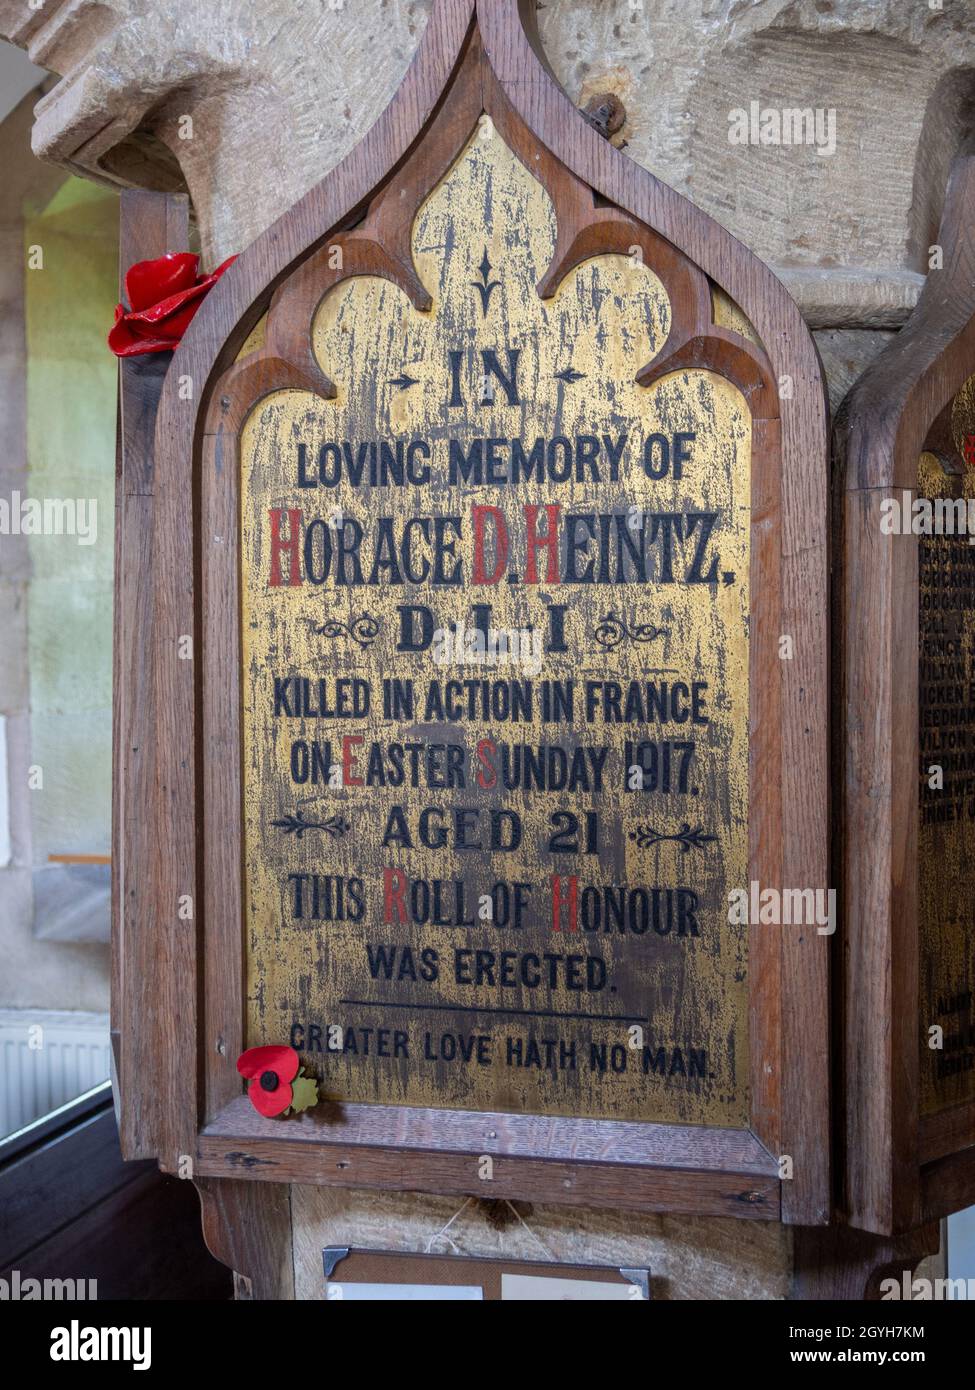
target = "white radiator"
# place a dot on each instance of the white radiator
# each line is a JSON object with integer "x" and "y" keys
{"x": 47, "y": 1059}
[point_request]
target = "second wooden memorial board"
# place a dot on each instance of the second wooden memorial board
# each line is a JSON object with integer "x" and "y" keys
{"x": 906, "y": 440}
{"x": 946, "y": 776}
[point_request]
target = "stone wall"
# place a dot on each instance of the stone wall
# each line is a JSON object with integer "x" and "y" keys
{"x": 55, "y": 623}
{"x": 277, "y": 93}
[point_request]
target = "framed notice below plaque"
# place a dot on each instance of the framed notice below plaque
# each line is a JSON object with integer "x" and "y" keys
{"x": 907, "y": 613}
{"x": 503, "y": 746}
{"x": 354, "y": 1275}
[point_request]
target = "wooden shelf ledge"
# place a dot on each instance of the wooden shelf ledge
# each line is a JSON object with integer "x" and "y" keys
{"x": 605, "y": 1163}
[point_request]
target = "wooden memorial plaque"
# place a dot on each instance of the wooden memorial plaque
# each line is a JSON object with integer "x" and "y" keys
{"x": 495, "y": 700}
{"x": 907, "y": 687}
{"x": 506, "y": 581}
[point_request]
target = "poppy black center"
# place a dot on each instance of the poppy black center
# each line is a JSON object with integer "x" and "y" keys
{"x": 269, "y": 1081}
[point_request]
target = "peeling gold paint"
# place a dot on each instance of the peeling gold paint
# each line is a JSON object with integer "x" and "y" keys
{"x": 606, "y": 321}
{"x": 254, "y": 339}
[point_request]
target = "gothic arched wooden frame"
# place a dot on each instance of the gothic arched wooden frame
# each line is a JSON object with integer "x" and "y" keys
{"x": 901, "y": 1168}
{"x": 180, "y": 981}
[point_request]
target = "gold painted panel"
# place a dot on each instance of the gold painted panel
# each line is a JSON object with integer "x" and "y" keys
{"x": 946, "y": 780}
{"x": 495, "y": 688}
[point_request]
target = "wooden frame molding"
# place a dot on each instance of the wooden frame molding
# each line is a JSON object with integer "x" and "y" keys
{"x": 600, "y": 1163}
{"x": 901, "y": 1169}
{"x": 184, "y": 1022}
{"x": 151, "y": 225}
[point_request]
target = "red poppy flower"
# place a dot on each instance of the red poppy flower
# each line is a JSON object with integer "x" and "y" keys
{"x": 270, "y": 1071}
{"x": 163, "y": 295}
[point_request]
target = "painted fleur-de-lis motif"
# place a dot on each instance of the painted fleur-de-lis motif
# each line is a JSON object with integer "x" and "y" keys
{"x": 485, "y": 285}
